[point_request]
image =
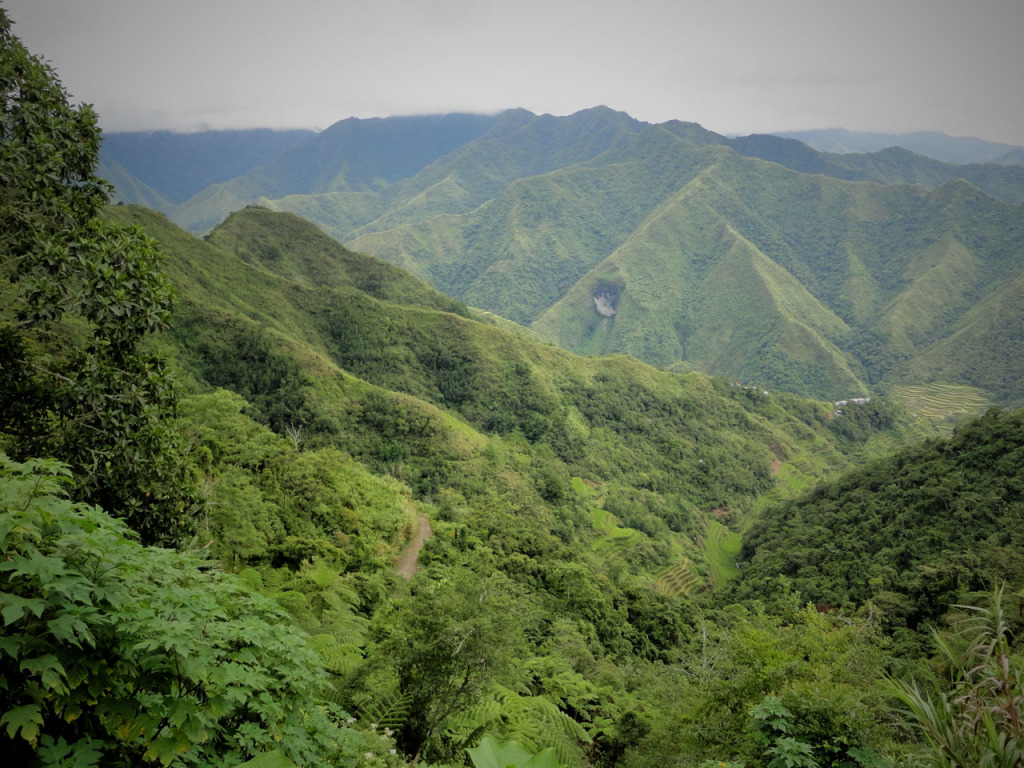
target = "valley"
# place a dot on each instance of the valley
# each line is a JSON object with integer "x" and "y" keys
{"x": 756, "y": 258}
{"x": 512, "y": 439}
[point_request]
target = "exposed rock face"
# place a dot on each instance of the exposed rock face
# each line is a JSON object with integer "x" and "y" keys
{"x": 606, "y": 301}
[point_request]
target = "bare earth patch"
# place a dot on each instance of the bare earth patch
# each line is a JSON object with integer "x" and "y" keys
{"x": 408, "y": 562}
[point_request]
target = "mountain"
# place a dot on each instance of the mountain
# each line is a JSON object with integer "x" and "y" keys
{"x": 387, "y": 529}
{"x": 582, "y": 509}
{"x": 778, "y": 277}
{"x": 756, "y": 258}
{"x": 686, "y": 254}
{"x": 941, "y": 146}
{"x": 904, "y": 534}
{"x": 176, "y": 166}
{"x": 351, "y": 158}
{"x": 890, "y": 165}
{"x": 348, "y": 351}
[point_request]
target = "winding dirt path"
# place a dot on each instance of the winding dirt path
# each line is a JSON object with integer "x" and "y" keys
{"x": 408, "y": 562}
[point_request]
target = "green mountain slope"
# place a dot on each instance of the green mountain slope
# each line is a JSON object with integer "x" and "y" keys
{"x": 985, "y": 348}
{"x": 756, "y": 258}
{"x": 350, "y": 156}
{"x": 874, "y": 274}
{"x": 908, "y": 535}
{"x": 889, "y": 165}
{"x": 308, "y": 419}
{"x": 578, "y": 505}
{"x": 130, "y": 190}
{"x": 346, "y": 348}
{"x": 518, "y": 145}
{"x": 852, "y": 277}
{"x": 714, "y": 300}
{"x": 179, "y": 165}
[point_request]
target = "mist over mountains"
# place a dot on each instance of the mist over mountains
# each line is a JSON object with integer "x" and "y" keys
{"x": 934, "y": 144}
{"x": 758, "y": 258}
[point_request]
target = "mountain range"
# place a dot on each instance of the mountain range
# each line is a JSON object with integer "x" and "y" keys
{"x": 934, "y": 144}
{"x": 757, "y": 258}
{"x": 364, "y": 521}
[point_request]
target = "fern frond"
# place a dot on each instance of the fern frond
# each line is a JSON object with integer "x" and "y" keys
{"x": 346, "y": 626}
{"x": 390, "y": 712}
{"x": 336, "y": 657}
{"x": 275, "y": 578}
{"x": 535, "y": 722}
{"x": 320, "y": 573}
{"x": 482, "y": 715}
{"x": 341, "y": 596}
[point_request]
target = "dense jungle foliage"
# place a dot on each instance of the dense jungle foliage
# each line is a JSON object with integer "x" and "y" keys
{"x": 214, "y": 455}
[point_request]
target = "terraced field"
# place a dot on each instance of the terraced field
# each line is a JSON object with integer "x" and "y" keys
{"x": 681, "y": 578}
{"x": 608, "y": 524}
{"x": 945, "y": 405}
{"x": 721, "y": 547}
{"x": 798, "y": 473}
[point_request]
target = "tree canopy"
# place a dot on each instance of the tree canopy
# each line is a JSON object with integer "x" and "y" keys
{"x": 80, "y": 297}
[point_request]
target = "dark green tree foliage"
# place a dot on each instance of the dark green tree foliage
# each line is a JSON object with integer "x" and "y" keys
{"x": 451, "y": 638}
{"x": 117, "y": 654}
{"x": 910, "y": 534}
{"x": 859, "y": 421}
{"x": 758, "y": 687}
{"x": 242, "y": 356}
{"x": 83, "y": 294}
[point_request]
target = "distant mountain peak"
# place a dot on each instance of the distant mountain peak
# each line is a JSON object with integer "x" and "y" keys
{"x": 934, "y": 144}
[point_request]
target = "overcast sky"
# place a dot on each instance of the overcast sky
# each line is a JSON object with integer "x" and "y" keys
{"x": 734, "y": 66}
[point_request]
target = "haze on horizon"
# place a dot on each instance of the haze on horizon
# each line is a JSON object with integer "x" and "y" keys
{"x": 736, "y": 66}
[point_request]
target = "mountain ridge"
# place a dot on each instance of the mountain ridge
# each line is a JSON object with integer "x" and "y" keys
{"x": 935, "y": 144}
{"x": 880, "y": 254}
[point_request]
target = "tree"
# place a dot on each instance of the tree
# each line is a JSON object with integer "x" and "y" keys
{"x": 444, "y": 645}
{"x": 80, "y": 295}
{"x": 117, "y": 654}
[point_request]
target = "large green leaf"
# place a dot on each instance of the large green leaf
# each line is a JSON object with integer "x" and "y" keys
{"x": 275, "y": 759}
{"x": 509, "y": 754}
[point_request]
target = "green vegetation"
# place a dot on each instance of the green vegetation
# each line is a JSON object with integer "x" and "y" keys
{"x": 755, "y": 258}
{"x": 902, "y": 537}
{"x": 628, "y": 566}
{"x": 707, "y": 254}
{"x": 946, "y": 404}
{"x": 79, "y": 298}
{"x": 120, "y": 654}
{"x": 981, "y": 720}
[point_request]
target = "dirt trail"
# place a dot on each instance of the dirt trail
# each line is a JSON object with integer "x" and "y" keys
{"x": 408, "y": 562}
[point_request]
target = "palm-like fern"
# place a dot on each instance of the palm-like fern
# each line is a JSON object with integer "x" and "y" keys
{"x": 321, "y": 602}
{"x": 533, "y": 721}
{"x": 389, "y": 712}
{"x": 980, "y": 720}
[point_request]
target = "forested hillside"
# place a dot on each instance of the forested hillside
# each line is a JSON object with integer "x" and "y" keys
{"x": 267, "y": 295}
{"x": 756, "y": 258}
{"x": 905, "y": 535}
{"x": 215, "y": 452}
